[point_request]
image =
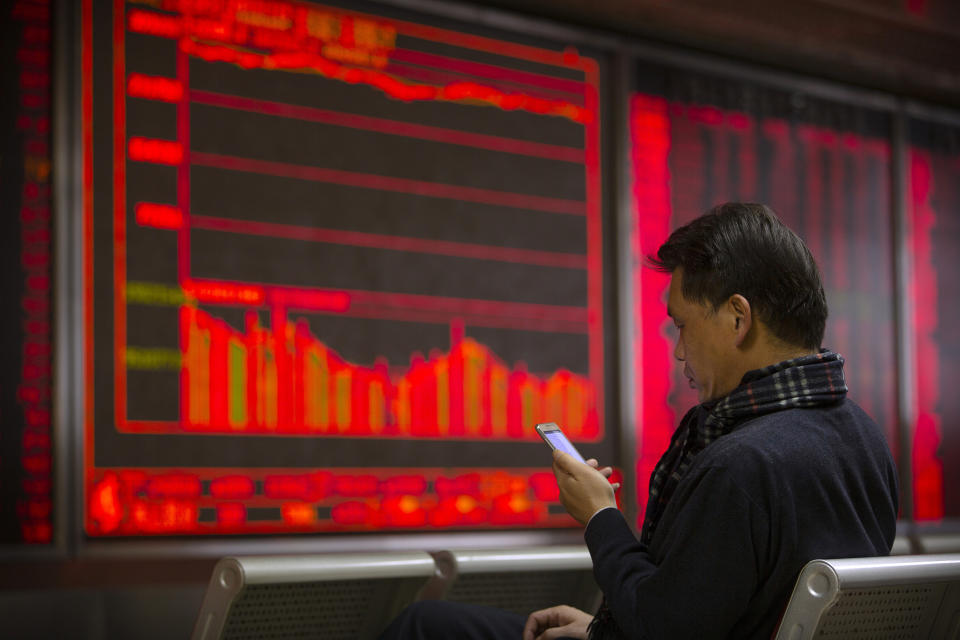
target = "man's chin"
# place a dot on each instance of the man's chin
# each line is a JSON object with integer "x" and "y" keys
{"x": 704, "y": 396}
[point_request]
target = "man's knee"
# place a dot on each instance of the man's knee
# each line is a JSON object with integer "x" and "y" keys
{"x": 423, "y": 619}
{"x": 436, "y": 619}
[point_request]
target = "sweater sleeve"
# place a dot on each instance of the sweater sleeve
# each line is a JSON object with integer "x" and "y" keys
{"x": 701, "y": 570}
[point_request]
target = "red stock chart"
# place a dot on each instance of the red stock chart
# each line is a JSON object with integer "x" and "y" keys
{"x": 26, "y": 374}
{"x": 339, "y": 264}
{"x": 933, "y": 169}
{"x": 824, "y": 167}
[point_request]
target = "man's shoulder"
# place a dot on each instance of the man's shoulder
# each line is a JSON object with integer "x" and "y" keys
{"x": 801, "y": 424}
{"x": 794, "y": 436}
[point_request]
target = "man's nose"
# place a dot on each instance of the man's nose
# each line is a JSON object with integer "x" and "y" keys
{"x": 678, "y": 351}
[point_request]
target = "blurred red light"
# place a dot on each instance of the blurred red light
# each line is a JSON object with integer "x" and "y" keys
{"x": 403, "y": 511}
{"x": 174, "y": 485}
{"x": 154, "y": 24}
{"x": 105, "y": 509}
{"x": 231, "y": 514}
{"x": 37, "y": 532}
{"x": 468, "y": 484}
{"x": 512, "y": 509}
{"x": 224, "y": 292}
{"x": 408, "y": 485}
{"x": 352, "y": 513}
{"x": 154, "y": 87}
{"x": 232, "y": 487}
{"x": 157, "y": 151}
{"x": 288, "y": 486}
{"x": 356, "y": 486}
{"x": 545, "y": 487}
{"x": 298, "y": 513}
{"x": 161, "y": 216}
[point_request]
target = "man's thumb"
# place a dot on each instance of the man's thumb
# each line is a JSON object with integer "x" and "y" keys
{"x": 563, "y": 460}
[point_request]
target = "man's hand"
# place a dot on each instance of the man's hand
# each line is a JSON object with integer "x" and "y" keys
{"x": 584, "y": 489}
{"x": 557, "y": 622}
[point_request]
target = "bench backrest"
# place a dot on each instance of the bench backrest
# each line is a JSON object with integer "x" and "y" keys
{"x": 903, "y": 597}
{"x": 520, "y": 580}
{"x": 357, "y": 595}
{"x": 331, "y": 596}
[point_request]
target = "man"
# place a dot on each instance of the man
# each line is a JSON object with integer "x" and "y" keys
{"x": 773, "y": 468}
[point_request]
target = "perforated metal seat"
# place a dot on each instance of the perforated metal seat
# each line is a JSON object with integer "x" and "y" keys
{"x": 520, "y": 580}
{"x": 356, "y": 595}
{"x": 345, "y": 596}
{"x": 901, "y": 598}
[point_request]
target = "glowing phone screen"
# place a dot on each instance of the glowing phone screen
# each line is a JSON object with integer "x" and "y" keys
{"x": 558, "y": 440}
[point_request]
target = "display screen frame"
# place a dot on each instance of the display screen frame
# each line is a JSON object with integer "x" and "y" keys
{"x": 69, "y": 283}
{"x": 606, "y": 310}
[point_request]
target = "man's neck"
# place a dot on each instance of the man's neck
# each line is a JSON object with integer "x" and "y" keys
{"x": 765, "y": 350}
{"x": 776, "y": 356}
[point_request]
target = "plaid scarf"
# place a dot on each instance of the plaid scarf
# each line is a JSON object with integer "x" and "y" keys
{"x": 808, "y": 381}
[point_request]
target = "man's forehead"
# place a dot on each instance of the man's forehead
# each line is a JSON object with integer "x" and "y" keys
{"x": 674, "y": 294}
{"x": 678, "y": 305}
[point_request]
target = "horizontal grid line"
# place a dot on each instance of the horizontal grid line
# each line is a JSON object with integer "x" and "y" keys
{"x": 393, "y": 127}
{"x": 390, "y": 183}
{"x": 394, "y": 243}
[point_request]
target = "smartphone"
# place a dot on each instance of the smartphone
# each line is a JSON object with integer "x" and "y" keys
{"x": 554, "y": 437}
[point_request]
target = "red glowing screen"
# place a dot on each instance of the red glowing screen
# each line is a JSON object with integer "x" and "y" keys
{"x": 26, "y": 383}
{"x": 698, "y": 141}
{"x": 933, "y": 238}
{"x": 339, "y": 265}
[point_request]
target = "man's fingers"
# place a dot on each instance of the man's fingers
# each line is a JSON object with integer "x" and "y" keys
{"x": 533, "y": 625}
{"x": 530, "y": 629}
{"x": 557, "y": 622}
{"x": 557, "y": 632}
{"x": 606, "y": 471}
{"x": 541, "y": 620}
{"x": 569, "y": 465}
{"x": 564, "y": 461}
{"x": 541, "y": 624}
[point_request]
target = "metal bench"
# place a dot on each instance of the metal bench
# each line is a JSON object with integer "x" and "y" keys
{"x": 334, "y": 596}
{"x": 519, "y": 580}
{"x": 902, "y": 597}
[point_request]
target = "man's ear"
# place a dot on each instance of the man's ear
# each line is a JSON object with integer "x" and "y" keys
{"x": 742, "y": 316}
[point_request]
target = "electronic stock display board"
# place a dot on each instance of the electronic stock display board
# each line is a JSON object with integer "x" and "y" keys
{"x": 824, "y": 166}
{"x": 933, "y": 165}
{"x": 338, "y": 264}
{"x": 26, "y": 376}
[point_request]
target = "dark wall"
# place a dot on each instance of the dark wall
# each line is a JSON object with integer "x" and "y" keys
{"x": 902, "y": 46}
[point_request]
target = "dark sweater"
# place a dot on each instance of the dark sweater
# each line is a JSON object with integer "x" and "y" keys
{"x": 754, "y": 507}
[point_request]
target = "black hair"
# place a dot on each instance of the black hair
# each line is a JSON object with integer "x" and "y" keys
{"x": 745, "y": 248}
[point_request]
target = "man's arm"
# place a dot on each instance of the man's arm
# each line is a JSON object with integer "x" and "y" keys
{"x": 584, "y": 490}
{"x": 706, "y": 570}
{"x": 557, "y": 622}
{"x": 564, "y": 621}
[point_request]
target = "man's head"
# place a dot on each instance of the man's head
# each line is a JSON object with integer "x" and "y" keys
{"x": 745, "y": 293}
